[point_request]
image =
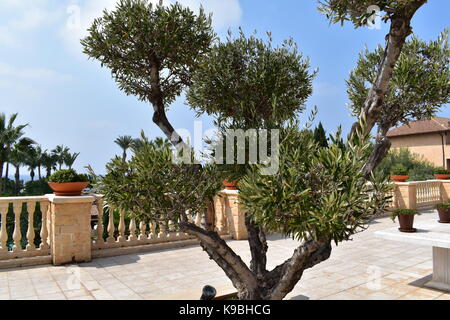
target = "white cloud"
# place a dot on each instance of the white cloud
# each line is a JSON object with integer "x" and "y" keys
{"x": 226, "y": 13}
{"x": 32, "y": 83}
{"x": 19, "y": 17}
{"x": 13, "y": 73}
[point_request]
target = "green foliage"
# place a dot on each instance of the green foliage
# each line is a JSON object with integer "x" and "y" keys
{"x": 419, "y": 86}
{"x": 445, "y": 206}
{"x": 150, "y": 186}
{"x": 320, "y": 136}
{"x": 356, "y": 11}
{"x": 247, "y": 83}
{"x": 418, "y": 169}
{"x": 441, "y": 170}
{"x": 318, "y": 192}
{"x": 67, "y": 175}
{"x": 411, "y": 212}
{"x": 138, "y": 40}
{"x": 37, "y": 188}
{"x": 399, "y": 170}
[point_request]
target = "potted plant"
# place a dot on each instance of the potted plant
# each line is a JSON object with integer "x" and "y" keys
{"x": 441, "y": 173}
{"x": 405, "y": 218}
{"x": 68, "y": 182}
{"x": 399, "y": 173}
{"x": 444, "y": 212}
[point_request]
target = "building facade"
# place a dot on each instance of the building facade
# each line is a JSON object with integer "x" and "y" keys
{"x": 429, "y": 138}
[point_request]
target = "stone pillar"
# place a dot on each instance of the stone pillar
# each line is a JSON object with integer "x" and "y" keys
{"x": 235, "y": 215}
{"x": 69, "y": 224}
{"x": 406, "y": 195}
{"x": 445, "y": 190}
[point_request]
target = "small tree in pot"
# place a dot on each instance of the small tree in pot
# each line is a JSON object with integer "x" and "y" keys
{"x": 399, "y": 173}
{"x": 441, "y": 173}
{"x": 444, "y": 212}
{"x": 405, "y": 218}
{"x": 68, "y": 182}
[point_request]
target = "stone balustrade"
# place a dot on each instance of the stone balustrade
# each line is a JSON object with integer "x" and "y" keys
{"x": 61, "y": 230}
{"x": 419, "y": 194}
{"x": 21, "y": 220}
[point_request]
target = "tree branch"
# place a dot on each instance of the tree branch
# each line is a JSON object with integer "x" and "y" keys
{"x": 258, "y": 247}
{"x": 287, "y": 275}
{"x": 400, "y": 29}
{"x": 218, "y": 250}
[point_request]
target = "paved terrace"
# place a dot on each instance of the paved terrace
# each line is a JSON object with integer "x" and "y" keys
{"x": 365, "y": 268}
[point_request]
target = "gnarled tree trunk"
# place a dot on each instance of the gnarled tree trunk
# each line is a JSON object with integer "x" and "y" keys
{"x": 256, "y": 282}
{"x": 400, "y": 29}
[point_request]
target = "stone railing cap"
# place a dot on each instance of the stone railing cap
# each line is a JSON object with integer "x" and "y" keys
{"x": 81, "y": 199}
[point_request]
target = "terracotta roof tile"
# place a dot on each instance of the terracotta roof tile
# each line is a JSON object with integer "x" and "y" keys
{"x": 436, "y": 124}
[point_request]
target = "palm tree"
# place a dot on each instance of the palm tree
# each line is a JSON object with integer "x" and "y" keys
{"x": 125, "y": 142}
{"x": 38, "y": 152}
{"x": 18, "y": 157}
{"x": 49, "y": 161}
{"x": 60, "y": 152}
{"x": 9, "y": 135}
{"x": 32, "y": 161}
{"x": 69, "y": 159}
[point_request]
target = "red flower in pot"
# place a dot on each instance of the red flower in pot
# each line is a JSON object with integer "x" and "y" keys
{"x": 68, "y": 183}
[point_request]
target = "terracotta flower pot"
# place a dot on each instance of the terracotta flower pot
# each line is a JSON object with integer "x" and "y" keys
{"x": 406, "y": 222}
{"x": 68, "y": 189}
{"x": 444, "y": 215}
{"x": 233, "y": 185}
{"x": 442, "y": 176}
{"x": 399, "y": 178}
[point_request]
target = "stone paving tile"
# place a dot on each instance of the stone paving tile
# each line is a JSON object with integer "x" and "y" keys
{"x": 365, "y": 268}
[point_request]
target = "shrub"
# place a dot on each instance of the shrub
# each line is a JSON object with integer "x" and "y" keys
{"x": 444, "y": 206}
{"x": 67, "y": 175}
{"x": 399, "y": 170}
{"x": 441, "y": 170}
{"x": 404, "y": 211}
{"x": 418, "y": 168}
{"x": 36, "y": 188}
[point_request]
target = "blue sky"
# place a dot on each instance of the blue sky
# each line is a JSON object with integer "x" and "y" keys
{"x": 72, "y": 101}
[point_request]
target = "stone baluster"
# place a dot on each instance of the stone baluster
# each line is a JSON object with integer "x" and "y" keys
{"x": 111, "y": 227}
{"x": 198, "y": 219}
{"x": 152, "y": 234}
{"x": 162, "y": 230}
{"x": 3, "y": 232}
{"x": 142, "y": 230}
{"x": 100, "y": 242}
{"x": 17, "y": 235}
{"x": 121, "y": 237}
{"x": 132, "y": 228}
{"x": 44, "y": 228}
{"x": 31, "y": 207}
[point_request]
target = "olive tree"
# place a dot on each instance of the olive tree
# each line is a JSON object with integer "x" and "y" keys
{"x": 151, "y": 51}
{"x": 419, "y": 87}
{"x": 398, "y": 13}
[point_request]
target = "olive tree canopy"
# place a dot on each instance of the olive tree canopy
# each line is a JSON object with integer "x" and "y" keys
{"x": 249, "y": 83}
{"x": 419, "y": 87}
{"x": 151, "y": 51}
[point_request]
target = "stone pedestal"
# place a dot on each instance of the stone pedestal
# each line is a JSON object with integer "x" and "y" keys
{"x": 69, "y": 225}
{"x": 235, "y": 215}
{"x": 406, "y": 195}
{"x": 441, "y": 269}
